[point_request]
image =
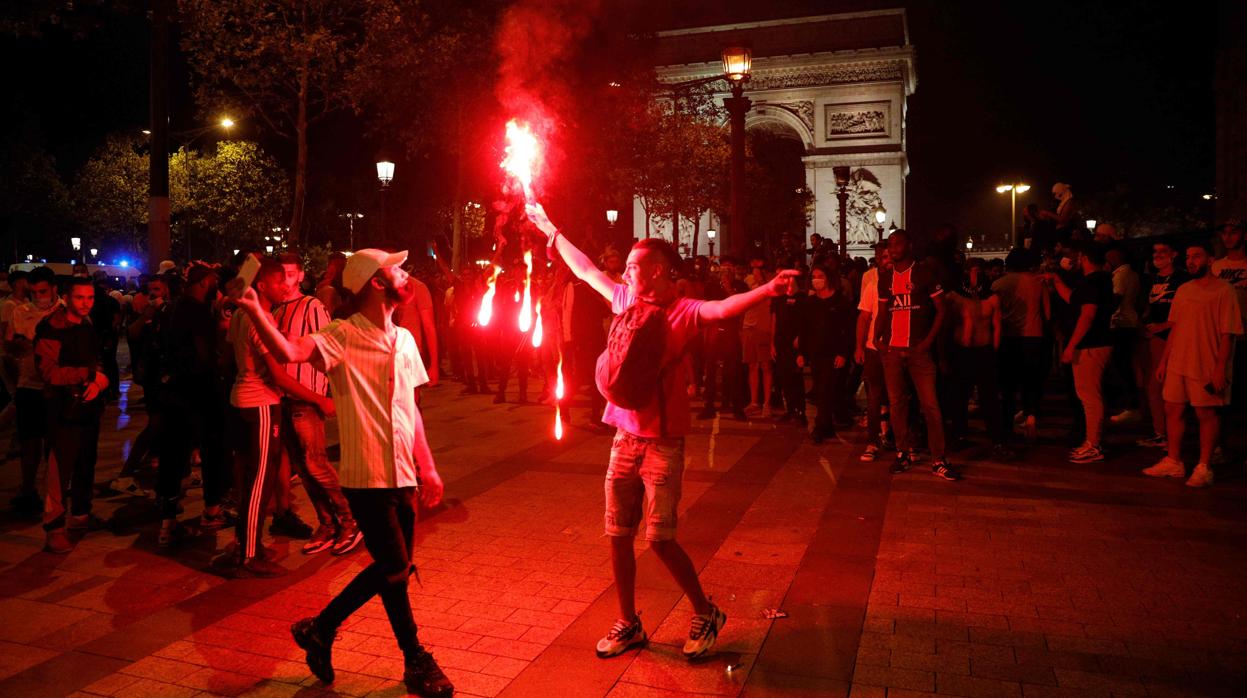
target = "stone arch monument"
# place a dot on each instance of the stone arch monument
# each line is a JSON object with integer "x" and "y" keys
{"x": 837, "y": 83}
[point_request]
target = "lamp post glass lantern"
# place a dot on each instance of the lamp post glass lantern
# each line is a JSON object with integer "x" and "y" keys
{"x": 612, "y": 216}
{"x": 710, "y": 240}
{"x": 881, "y": 217}
{"x": 385, "y": 172}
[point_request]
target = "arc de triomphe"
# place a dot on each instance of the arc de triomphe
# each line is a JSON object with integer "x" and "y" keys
{"x": 838, "y": 84}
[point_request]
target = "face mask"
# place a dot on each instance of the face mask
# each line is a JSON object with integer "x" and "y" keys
{"x": 818, "y": 284}
{"x": 1067, "y": 264}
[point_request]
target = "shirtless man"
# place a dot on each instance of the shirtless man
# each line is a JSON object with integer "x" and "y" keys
{"x": 975, "y": 340}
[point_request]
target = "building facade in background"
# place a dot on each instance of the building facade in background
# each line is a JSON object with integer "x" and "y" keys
{"x": 838, "y": 84}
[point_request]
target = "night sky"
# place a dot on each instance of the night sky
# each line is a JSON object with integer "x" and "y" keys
{"x": 1095, "y": 94}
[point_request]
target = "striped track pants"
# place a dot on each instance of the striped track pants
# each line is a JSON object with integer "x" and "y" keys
{"x": 260, "y": 449}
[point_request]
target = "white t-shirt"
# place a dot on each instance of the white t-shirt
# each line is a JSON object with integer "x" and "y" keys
{"x": 1234, "y": 271}
{"x": 870, "y": 302}
{"x": 1200, "y": 315}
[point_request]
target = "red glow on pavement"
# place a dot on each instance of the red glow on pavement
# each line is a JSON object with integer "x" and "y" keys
{"x": 522, "y": 153}
{"x": 486, "y": 313}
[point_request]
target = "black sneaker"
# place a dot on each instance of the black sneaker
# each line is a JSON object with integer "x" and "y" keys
{"x": 902, "y": 463}
{"x": 318, "y": 647}
{"x": 622, "y": 636}
{"x": 321, "y": 540}
{"x": 349, "y": 537}
{"x": 290, "y": 525}
{"x": 704, "y": 633}
{"x": 425, "y": 678}
{"x": 943, "y": 470}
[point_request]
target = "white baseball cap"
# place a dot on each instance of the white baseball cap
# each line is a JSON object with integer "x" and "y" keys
{"x": 363, "y": 264}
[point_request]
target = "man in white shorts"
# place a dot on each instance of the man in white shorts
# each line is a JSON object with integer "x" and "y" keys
{"x": 1196, "y": 366}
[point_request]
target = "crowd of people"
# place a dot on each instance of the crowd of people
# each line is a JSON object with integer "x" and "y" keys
{"x": 906, "y": 348}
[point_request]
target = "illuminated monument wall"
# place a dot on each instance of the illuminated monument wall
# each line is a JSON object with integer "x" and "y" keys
{"x": 836, "y": 83}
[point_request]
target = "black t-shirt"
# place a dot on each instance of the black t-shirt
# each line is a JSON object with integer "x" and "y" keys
{"x": 831, "y": 324}
{"x": 1160, "y": 296}
{"x": 1096, "y": 289}
{"x": 790, "y": 320}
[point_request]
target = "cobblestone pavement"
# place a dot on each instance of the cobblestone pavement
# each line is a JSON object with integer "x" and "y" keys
{"x": 1034, "y": 578}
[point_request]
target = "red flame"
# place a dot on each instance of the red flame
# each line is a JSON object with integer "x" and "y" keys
{"x": 558, "y": 424}
{"x": 558, "y": 381}
{"x": 526, "y": 306}
{"x": 537, "y": 327}
{"x": 486, "y": 313}
{"x": 523, "y": 153}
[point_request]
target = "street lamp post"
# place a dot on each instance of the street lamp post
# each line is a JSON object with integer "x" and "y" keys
{"x": 76, "y": 243}
{"x": 385, "y": 174}
{"x": 351, "y": 217}
{"x": 737, "y": 62}
{"x": 841, "y": 173}
{"x": 881, "y": 215}
{"x": 710, "y": 241}
{"x": 1013, "y": 189}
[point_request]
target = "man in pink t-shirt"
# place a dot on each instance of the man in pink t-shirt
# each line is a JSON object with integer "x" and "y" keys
{"x": 646, "y": 470}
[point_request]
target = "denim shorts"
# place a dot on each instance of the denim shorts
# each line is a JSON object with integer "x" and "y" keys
{"x": 643, "y": 484}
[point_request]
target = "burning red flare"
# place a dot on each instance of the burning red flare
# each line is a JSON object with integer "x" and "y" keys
{"x": 537, "y": 327}
{"x": 526, "y": 305}
{"x": 558, "y": 424}
{"x": 523, "y": 153}
{"x": 558, "y": 381}
{"x": 486, "y": 313}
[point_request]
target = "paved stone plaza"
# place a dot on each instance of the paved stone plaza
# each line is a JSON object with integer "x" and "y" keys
{"x": 1036, "y": 578}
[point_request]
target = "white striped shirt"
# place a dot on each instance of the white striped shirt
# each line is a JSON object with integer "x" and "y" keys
{"x": 374, "y": 375}
{"x": 298, "y": 318}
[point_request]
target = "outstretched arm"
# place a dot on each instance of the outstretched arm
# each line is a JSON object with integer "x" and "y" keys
{"x": 287, "y": 352}
{"x": 577, "y": 261}
{"x": 713, "y": 311}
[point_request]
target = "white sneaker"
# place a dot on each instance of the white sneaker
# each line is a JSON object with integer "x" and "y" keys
{"x": 1200, "y": 477}
{"x": 704, "y": 633}
{"x": 1126, "y": 416}
{"x": 1091, "y": 454}
{"x": 1079, "y": 449}
{"x": 622, "y": 636}
{"x": 1167, "y": 467}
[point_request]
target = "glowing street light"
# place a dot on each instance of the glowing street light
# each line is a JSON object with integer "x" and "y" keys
{"x": 226, "y": 123}
{"x": 1091, "y": 224}
{"x": 969, "y": 244}
{"x": 612, "y": 216}
{"x": 1014, "y": 189}
{"x": 385, "y": 172}
{"x": 881, "y": 216}
{"x": 76, "y": 243}
{"x": 94, "y": 253}
{"x": 710, "y": 240}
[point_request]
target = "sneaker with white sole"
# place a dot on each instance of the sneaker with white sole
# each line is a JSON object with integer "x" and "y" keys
{"x": 1200, "y": 477}
{"x": 703, "y": 633}
{"x": 870, "y": 454}
{"x": 127, "y": 485}
{"x": 1167, "y": 467}
{"x": 1079, "y": 449}
{"x": 1091, "y": 454}
{"x": 622, "y": 636}
{"x": 1126, "y": 417}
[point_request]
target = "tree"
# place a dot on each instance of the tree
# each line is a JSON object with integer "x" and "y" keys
{"x": 231, "y": 198}
{"x": 33, "y": 201}
{"x": 110, "y": 194}
{"x": 424, "y": 83}
{"x": 283, "y": 61}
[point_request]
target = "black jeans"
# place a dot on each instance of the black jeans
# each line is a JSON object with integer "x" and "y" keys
{"x": 975, "y": 367}
{"x": 723, "y": 352}
{"x": 827, "y": 384}
{"x": 876, "y": 397}
{"x": 195, "y": 412}
{"x": 1125, "y": 346}
{"x": 1024, "y": 364}
{"x": 387, "y": 518}
{"x": 71, "y": 470}
{"x": 261, "y": 461}
{"x": 791, "y": 380}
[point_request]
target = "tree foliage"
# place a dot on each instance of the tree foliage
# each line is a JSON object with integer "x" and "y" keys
{"x": 230, "y": 198}
{"x": 33, "y": 202}
{"x": 284, "y": 62}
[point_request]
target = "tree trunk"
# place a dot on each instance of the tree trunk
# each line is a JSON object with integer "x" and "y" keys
{"x": 696, "y": 234}
{"x": 300, "y": 169}
{"x": 456, "y": 235}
